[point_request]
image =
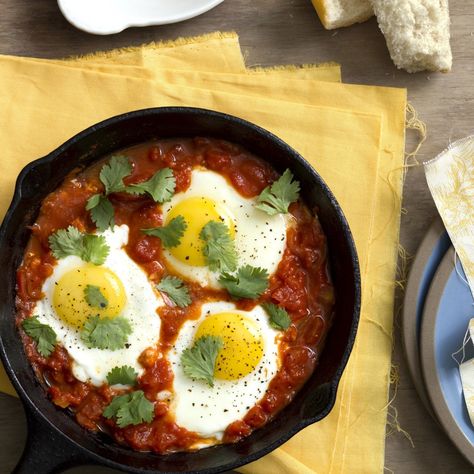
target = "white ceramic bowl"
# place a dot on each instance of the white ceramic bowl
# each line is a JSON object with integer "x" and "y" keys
{"x": 104, "y": 17}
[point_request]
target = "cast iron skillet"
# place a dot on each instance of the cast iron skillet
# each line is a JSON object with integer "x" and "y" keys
{"x": 55, "y": 441}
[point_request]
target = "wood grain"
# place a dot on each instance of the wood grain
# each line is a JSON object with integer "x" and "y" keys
{"x": 286, "y": 32}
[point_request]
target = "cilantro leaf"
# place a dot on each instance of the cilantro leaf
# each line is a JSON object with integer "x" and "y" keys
{"x": 124, "y": 375}
{"x": 137, "y": 410}
{"x": 102, "y": 211}
{"x": 170, "y": 235}
{"x": 248, "y": 282}
{"x": 113, "y": 173}
{"x": 89, "y": 247}
{"x": 160, "y": 186}
{"x": 219, "y": 247}
{"x": 279, "y": 318}
{"x": 111, "y": 176}
{"x": 93, "y": 201}
{"x": 277, "y": 197}
{"x": 114, "y": 406}
{"x": 95, "y": 249}
{"x": 199, "y": 361}
{"x": 130, "y": 409}
{"x": 66, "y": 242}
{"x": 176, "y": 291}
{"x": 94, "y": 297}
{"x": 42, "y": 334}
{"x": 106, "y": 333}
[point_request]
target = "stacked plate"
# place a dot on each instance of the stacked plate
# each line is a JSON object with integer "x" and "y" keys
{"x": 438, "y": 305}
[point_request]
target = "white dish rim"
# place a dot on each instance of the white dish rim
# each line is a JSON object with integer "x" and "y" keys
{"x": 109, "y": 29}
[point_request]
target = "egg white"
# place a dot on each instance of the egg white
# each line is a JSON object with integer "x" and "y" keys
{"x": 209, "y": 410}
{"x": 140, "y": 310}
{"x": 260, "y": 239}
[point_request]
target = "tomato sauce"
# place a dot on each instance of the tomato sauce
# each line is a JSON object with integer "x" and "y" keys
{"x": 301, "y": 285}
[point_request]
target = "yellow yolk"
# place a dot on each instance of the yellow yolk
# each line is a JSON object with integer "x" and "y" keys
{"x": 243, "y": 344}
{"x": 69, "y": 297}
{"x": 197, "y": 212}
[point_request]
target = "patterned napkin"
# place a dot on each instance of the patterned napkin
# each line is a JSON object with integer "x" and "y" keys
{"x": 353, "y": 135}
{"x": 450, "y": 177}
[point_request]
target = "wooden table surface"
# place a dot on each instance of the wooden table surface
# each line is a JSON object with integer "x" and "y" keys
{"x": 283, "y": 32}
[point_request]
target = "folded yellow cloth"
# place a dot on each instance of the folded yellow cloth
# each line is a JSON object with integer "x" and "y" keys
{"x": 353, "y": 135}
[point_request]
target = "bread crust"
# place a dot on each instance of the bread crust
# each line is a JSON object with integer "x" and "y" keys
{"x": 346, "y": 17}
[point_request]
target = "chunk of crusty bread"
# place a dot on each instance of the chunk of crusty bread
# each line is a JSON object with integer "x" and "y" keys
{"x": 417, "y": 33}
{"x": 337, "y": 13}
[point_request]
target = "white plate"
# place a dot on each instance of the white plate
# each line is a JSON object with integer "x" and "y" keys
{"x": 104, "y": 17}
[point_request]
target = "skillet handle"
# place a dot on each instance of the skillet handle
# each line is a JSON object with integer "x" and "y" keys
{"x": 46, "y": 452}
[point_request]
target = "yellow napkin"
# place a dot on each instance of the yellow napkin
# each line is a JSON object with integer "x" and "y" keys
{"x": 353, "y": 135}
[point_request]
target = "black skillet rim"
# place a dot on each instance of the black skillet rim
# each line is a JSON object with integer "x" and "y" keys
{"x": 28, "y": 403}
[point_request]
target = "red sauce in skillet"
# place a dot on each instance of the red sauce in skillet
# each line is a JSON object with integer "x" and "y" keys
{"x": 301, "y": 285}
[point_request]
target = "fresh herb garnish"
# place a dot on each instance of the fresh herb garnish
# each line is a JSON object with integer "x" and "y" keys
{"x": 170, "y": 235}
{"x": 160, "y": 186}
{"x": 111, "y": 176}
{"x": 176, "y": 290}
{"x": 219, "y": 247}
{"x": 42, "y": 334}
{"x": 279, "y": 318}
{"x": 277, "y": 197}
{"x": 199, "y": 361}
{"x": 113, "y": 173}
{"x": 95, "y": 297}
{"x": 248, "y": 282}
{"x": 124, "y": 375}
{"x": 89, "y": 247}
{"x": 102, "y": 212}
{"x": 95, "y": 249}
{"x": 130, "y": 409}
{"x": 106, "y": 333}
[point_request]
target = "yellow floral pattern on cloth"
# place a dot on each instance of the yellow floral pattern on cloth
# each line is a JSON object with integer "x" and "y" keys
{"x": 450, "y": 177}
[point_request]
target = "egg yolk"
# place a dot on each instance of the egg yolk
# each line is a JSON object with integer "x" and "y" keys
{"x": 242, "y": 344}
{"x": 197, "y": 212}
{"x": 69, "y": 297}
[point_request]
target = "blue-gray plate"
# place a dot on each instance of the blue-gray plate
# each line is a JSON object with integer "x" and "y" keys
{"x": 448, "y": 308}
{"x": 430, "y": 253}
